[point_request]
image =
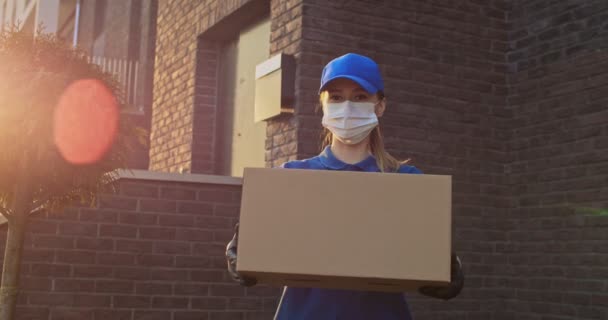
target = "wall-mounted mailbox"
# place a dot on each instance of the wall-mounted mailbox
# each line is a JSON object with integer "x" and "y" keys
{"x": 274, "y": 87}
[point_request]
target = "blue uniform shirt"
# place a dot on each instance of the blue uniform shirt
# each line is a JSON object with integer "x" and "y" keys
{"x": 331, "y": 304}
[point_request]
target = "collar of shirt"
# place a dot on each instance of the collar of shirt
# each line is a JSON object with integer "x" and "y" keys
{"x": 329, "y": 160}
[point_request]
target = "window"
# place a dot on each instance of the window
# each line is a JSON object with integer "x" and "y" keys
{"x": 100, "y": 18}
{"x": 2, "y": 15}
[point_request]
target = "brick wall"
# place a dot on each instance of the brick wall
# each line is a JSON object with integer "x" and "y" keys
{"x": 558, "y": 101}
{"x": 286, "y": 37}
{"x": 185, "y": 122}
{"x": 444, "y": 67}
{"x": 506, "y": 96}
{"x": 445, "y": 104}
{"x": 155, "y": 250}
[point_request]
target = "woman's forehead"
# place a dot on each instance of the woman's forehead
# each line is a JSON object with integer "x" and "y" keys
{"x": 343, "y": 84}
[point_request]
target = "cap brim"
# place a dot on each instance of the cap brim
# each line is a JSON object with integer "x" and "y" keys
{"x": 370, "y": 88}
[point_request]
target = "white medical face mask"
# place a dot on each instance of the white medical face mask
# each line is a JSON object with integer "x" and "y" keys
{"x": 350, "y": 121}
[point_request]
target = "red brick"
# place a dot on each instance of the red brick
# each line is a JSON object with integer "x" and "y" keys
{"x": 263, "y": 291}
{"x": 208, "y": 275}
{"x": 98, "y": 215}
{"x": 51, "y": 299}
{"x": 76, "y": 257}
{"x": 156, "y": 260}
{"x": 35, "y": 283}
{"x": 135, "y": 246}
{"x": 111, "y": 286}
{"x": 165, "y": 206}
{"x": 159, "y": 233}
{"x": 172, "y": 247}
{"x": 226, "y": 316}
{"x": 191, "y": 289}
{"x": 43, "y": 227}
{"x": 118, "y": 231}
{"x": 31, "y": 313}
{"x": 208, "y": 249}
{"x": 109, "y": 314}
{"x": 168, "y": 275}
{"x": 132, "y": 273}
{"x": 153, "y": 288}
{"x": 215, "y": 196}
{"x": 71, "y": 314}
{"x": 226, "y": 210}
{"x": 194, "y": 207}
{"x": 178, "y": 193}
{"x": 92, "y": 272}
{"x": 245, "y": 304}
{"x": 120, "y": 203}
{"x": 50, "y": 270}
{"x": 599, "y": 299}
{"x": 138, "y": 302}
{"x": 577, "y": 298}
{"x": 209, "y": 303}
{"x": 37, "y": 255}
{"x": 223, "y": 236}
{"x": 139, "y": 218}
{"x": 66, "y": 214}
{"x": 174, "y": 220}
{"x": 190, "y": 315}
{"x": 214, "y": 222}
{"x": 169, "y": 303}
{"x": 227, "y": 290}
{"x": 139, "y": 190}
{"x": 271, "y": 304}
{"x": 115, "y": 259}
{"x": 184, "y": 234}
{"x": 73, "y": 285}
{"x": 55, "y": 242}
{"x": 152, "y": 315}
{"x": 95, "y": 244}
{"x": 267, "y": 315}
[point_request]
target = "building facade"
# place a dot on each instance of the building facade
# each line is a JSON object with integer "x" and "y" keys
{"x": 508, "y": 97}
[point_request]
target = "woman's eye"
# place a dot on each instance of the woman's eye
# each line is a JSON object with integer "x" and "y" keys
{"x": 361, "y": 97}
{"x": 335, "y": 98}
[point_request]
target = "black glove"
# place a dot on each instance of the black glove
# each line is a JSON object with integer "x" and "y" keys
{"x": 453, "y": 289}
{"x": 231, "y": 261}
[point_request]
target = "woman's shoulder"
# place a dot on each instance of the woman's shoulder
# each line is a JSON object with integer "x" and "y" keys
{"x": 310, "y": 163}
{"x": 406, "y": 168}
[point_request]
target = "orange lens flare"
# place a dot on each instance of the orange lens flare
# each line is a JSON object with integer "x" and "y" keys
{"x": 85, "y": 122}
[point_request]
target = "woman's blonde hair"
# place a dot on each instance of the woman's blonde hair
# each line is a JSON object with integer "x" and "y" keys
{"x": 385, "y": 161}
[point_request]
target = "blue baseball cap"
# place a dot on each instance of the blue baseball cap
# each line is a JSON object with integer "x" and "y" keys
{"x": 360, "y": 69}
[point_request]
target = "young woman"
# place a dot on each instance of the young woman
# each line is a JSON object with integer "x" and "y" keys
{"x": 352, "y": 97}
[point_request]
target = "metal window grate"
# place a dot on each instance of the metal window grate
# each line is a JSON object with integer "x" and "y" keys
{"x": 127, "y": 74}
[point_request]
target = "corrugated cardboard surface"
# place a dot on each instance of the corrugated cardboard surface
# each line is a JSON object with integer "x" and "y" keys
{"x": 352, "y": 230}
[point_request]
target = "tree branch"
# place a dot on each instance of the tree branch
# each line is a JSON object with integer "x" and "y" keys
{"x": 5, "y": 212}
{"x": 37, "y": 204}
{"x": 37, "y": 207}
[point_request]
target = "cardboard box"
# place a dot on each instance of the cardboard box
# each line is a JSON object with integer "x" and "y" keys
{"x": 346, "y": 230}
